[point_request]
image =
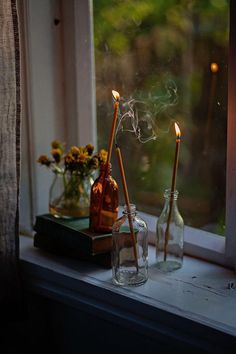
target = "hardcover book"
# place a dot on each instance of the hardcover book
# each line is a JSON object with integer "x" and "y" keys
{"x": 73, "y": 234}
{"x": 58, "y": 246}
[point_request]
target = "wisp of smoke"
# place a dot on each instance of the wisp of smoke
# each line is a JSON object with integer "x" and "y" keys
{"x": 140, "y": 117}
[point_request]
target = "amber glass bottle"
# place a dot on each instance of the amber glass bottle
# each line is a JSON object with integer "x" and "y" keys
{"x": 103, "y": 201}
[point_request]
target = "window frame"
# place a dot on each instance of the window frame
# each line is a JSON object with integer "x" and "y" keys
{"x": 58, "y": 77}
{"x": 199, "y": 243}
{"x": 79, "y": 78}
{"x": 230, "y": 247}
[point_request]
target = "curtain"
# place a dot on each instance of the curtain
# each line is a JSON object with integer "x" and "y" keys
{"x": 9, "y": 156}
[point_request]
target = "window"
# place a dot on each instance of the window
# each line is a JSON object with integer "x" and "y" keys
{"x": 170, "y": 60}
{"x": 65, "y": 110}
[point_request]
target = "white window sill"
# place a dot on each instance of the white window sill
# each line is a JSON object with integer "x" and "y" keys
{"x": 193, "y": 304}
{"x": 197, "y": 243}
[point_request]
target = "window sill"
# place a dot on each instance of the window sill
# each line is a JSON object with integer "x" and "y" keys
{"x": 197, "y": 243}
{"x": 193, "y": 305}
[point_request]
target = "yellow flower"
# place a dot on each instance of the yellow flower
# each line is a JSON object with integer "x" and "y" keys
{"x": 44, "y": 160}
{"x": 78, "y": 160}
{"x": 83, "y": 157}
{"x": 89, "y": 148}
{"x": 69, "y": 159}
{"x": 56, "y": 153}
{"x": 56, "y": 144}
{"x": 103, "y": 155}
{"x": 75, "y": 151}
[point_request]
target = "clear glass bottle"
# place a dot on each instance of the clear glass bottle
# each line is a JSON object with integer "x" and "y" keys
{"x": 129, "y": 249}
{"x": 103, "y": 201}
{"x": 170, "y": 234}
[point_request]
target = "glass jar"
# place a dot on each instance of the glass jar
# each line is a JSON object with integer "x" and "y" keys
{"x": 129, "y": 249}
{"x": 104, "y": 201}
{"x": 170, "y": 234}
{"x": 69, "y": 195}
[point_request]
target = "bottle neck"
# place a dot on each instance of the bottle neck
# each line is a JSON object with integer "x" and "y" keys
{"x": 105, "y": 169}
{"x": 131, "y": 210}
{"x": 169, "y": 195}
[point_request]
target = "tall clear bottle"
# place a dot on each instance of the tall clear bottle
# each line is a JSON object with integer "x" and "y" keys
{"x": 130, "y": 249}
{"x": 103, "y": 201}
{"x": 170, "y": 234}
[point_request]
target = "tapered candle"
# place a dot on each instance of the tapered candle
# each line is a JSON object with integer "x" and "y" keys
{"x": 176, "y": 160}
{"x": 173, "y": 184}
{"x": 116, "y": 96}
{"x": 126, "y": 195}
{"x": 212, "y": 95}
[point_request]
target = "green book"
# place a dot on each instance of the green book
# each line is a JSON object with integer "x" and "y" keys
{"x": 58, "y": 247}
{"x": 73, "y": 234}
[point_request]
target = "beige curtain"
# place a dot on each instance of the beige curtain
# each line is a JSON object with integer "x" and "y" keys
{"x": 9, "y": 154}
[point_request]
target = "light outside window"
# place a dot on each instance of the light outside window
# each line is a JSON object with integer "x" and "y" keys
{"x": 160, "y": 55}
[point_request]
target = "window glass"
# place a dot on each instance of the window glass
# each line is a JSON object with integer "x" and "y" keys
{"x": 168, "y": 61}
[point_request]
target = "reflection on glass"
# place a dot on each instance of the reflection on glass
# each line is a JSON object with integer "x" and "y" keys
{"x": 168, "y": 60}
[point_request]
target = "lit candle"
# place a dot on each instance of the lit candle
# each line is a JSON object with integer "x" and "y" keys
{"x": 116, "y": 96}
{"x": 176, "y": 160}
{"x": 173, "y": 184}
{"x": 214, "y": 70}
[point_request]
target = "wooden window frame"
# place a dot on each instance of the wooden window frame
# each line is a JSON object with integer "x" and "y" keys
{"x": 79, "y": 105}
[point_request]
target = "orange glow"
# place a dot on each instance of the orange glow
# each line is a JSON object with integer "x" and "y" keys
{"x": 177, "y": 131}
{"x": 214, "y": 67}
{"x": 116, "y": 95}
{"x": 97, "y": 188}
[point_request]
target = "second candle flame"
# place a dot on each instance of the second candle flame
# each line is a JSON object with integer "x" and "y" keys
{"x": 116, "y": 95}
{"x": 177, "y": 131}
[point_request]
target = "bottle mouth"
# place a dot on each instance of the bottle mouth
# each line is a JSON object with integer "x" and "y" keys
{"x": 168, "y": 194}
{"x": 131, "y": 209}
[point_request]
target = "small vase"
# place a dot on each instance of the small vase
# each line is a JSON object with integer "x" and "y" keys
{"x": 170, "y": 235}
{"x": 130, "y": 249}
{"x": 104, "y": 201}
{"x": 69, "y": 195}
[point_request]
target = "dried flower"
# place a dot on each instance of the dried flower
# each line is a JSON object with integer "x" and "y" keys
{"x": 56, "y": 144}
{"x": 56, "y": 153}
{"x": 69, "y": 162}
{"x": 102, "y": 155}
{"x": 79, "y": 160}
{"x": 75, "y": 151}
{"x": 90, "y": 149}
{"x": 83, "y": 157}
{"x": 44, "y": 160}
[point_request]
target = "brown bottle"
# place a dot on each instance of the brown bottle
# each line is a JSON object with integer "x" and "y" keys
{"x": 103, "y": 201}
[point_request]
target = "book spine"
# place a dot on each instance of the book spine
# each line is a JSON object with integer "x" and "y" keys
{"x": 58, "y": 231}
{"x": 60, "y": 249}
{"x": 102, "y": 246}
{"x": 90, "y": 244}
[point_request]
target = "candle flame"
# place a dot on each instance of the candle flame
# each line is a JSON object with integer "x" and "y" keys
{"x": 177, "y": 131}
{"x": 214, "y": 67}
{"x": 116, "y": 95}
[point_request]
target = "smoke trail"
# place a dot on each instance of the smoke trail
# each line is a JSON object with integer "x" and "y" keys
{"x": 140, "y": 117}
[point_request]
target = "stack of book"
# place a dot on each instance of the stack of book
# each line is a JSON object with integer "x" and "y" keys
{"x": 72, "y": 238}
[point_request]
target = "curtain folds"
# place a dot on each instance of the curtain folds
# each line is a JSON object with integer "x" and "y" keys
{"x": 10, "y": 110}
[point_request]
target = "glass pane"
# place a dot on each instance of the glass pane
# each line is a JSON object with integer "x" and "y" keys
{"x": 168, "y": 61}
